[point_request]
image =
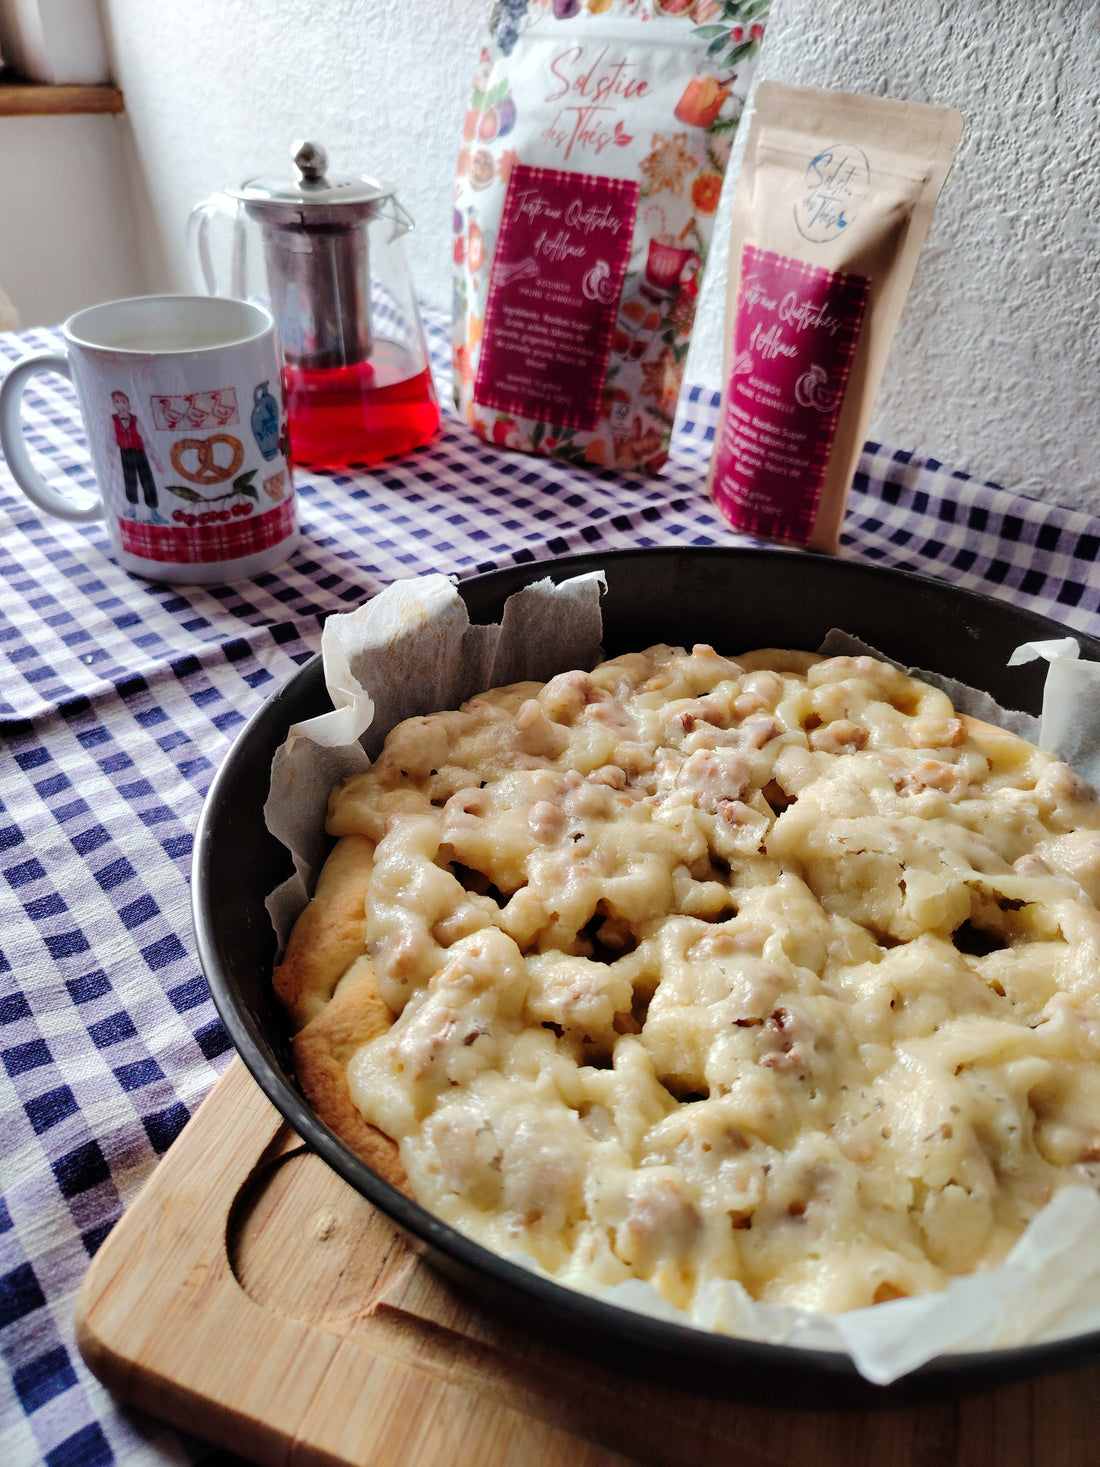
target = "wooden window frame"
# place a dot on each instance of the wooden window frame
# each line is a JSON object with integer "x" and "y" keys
{"x": 39, "y": 99}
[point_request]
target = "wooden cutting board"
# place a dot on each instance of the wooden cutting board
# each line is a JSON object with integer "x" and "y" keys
{"x": 250, "y": 1297}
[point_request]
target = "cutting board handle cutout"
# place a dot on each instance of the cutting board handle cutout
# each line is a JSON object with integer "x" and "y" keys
{"x": 302, "y": 1244}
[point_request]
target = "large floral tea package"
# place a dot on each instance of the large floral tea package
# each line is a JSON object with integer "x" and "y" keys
{"x": 592, "y": 163}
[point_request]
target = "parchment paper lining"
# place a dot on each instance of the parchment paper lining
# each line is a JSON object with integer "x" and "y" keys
{"x": 412, "y": 650}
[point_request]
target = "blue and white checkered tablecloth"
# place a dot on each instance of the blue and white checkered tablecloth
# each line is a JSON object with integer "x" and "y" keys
{"x": 118, "y": 700}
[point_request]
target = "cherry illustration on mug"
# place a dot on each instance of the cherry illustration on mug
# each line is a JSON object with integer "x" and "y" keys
{"x": 207, "y": 464}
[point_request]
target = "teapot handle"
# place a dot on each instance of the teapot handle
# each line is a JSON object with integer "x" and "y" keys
{"x": 198, "y": 245}
{"x": 398, "y": 216}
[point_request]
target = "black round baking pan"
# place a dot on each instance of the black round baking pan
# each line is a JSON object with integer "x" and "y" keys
{"x": 734, "y": 599}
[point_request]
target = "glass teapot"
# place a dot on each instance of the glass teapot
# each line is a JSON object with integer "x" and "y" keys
{"x": 325, "y": 256}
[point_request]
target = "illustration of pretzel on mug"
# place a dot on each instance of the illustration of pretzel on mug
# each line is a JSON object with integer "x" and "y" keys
{"x": 214, "y": 491}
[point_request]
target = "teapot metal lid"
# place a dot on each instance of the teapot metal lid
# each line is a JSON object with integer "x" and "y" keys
{"x": 313, "y": 192}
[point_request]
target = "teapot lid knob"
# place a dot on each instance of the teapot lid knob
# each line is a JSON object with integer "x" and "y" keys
{"x": 311, "y": 160}
{"x": 311, "y": 190}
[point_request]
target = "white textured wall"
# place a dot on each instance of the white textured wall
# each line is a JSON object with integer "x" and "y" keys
{"x": 218, "y": 90}
{"x": 996, "y": 364}
{"x": 66, "y": 217}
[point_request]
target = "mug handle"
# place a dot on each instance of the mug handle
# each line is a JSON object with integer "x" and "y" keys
{"x": 18, "y": 458}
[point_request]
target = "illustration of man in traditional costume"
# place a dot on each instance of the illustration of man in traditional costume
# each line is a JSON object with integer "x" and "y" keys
{"x": 135, "y": 458}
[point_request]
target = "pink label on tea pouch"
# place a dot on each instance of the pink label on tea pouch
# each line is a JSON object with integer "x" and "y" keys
{"x": 554, "y": 290}
{"x": 795, "y": 332}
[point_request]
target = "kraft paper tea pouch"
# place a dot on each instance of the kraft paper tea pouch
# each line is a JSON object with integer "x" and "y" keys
{"x": 592, "y": 162}
{"x": 833, "y": 203}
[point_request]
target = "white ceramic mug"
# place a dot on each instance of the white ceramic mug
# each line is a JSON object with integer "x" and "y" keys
{"x": 182, "y": 404}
